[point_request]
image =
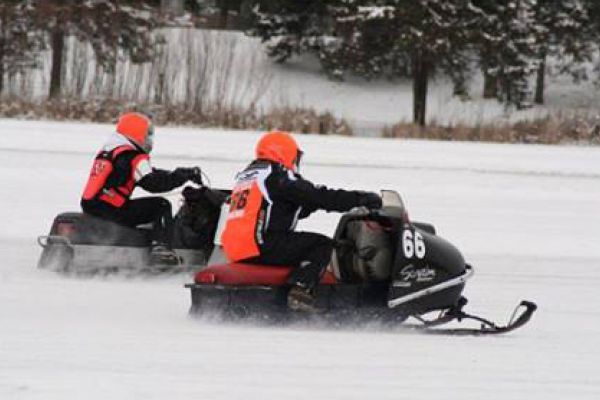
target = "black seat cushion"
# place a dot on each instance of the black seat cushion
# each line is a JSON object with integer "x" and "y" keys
{"x": 83, "y": 228}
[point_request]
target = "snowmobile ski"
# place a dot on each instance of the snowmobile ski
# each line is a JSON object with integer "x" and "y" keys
{"x": 520, "y": 316}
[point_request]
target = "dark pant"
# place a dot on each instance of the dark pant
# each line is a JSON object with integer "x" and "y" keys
{"x": 155, "y": 210}
{"x": 308, "y": 253}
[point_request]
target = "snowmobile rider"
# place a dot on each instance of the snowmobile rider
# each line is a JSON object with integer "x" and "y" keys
{"x": 267, "y": 200}
{"x": 121, "y": 165}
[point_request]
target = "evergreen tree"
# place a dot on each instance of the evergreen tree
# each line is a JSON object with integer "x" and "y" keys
{"x": 591, "y": 33}
{"x": 108, "y": 25}
{"x": 506, "y": 35}
{"x": 290, "y": 27}
{"x": 19, "y": 45}
{"x": 401, "y": 38}
{"x": 564, "y": 34}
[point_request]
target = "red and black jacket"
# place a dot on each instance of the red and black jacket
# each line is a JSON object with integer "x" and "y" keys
{"x": 112, "y": 177}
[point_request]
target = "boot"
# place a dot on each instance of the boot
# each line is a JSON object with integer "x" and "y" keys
{"x": 302, "y": 299}
{"x": 162, "y": 255}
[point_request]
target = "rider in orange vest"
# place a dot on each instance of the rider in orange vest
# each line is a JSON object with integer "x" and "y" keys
{"x": 267, "y": 200}
{"x": 123, "y": 164}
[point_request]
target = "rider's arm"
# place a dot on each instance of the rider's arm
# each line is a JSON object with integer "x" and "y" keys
{"x": 305, "y": 212}
{"x": 156, "y": 180}
{"x": 304, "y": 193}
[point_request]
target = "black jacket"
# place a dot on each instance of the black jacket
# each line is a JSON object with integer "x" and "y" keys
{"x": 158, "y": 181}
{"x": 294, "y": 197}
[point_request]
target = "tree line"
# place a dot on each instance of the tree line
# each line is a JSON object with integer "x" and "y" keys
{"x": 508, "y": 41}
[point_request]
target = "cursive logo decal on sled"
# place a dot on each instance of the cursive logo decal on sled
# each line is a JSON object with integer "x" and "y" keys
{"x": 410, "y": 273}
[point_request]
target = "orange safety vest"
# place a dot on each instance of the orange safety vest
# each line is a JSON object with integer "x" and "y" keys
{"x": 97, "y": 187}
{"x": 248, "y": 215}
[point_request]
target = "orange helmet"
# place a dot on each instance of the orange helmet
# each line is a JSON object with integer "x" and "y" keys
{"x": 280, "y": 147}
{"x": 138, "y": 128}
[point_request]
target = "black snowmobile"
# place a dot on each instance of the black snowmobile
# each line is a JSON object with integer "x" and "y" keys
{"x": 384, "y": 268}
{"x": 83, "y": 244}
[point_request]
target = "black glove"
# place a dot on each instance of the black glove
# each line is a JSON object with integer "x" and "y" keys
{"x": 189, "y": 174}
{"x": 193, "y": 195}
{"x": 370, "y": 200}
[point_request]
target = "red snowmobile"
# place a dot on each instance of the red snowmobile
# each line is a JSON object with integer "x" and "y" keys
{"x": 384, "y": 268}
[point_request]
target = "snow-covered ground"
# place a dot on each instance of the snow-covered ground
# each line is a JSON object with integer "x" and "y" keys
{"x": 525, "y": 216}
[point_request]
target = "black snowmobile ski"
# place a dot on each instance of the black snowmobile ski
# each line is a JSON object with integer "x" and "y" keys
{"x": 520, "y": 316}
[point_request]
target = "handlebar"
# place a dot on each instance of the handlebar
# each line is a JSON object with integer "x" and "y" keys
{"x": 386, "y": 212}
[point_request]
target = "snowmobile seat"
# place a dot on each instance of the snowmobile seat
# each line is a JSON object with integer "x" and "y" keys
{"x": 240, "y": 274}
{"x": 81, "y": 228}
